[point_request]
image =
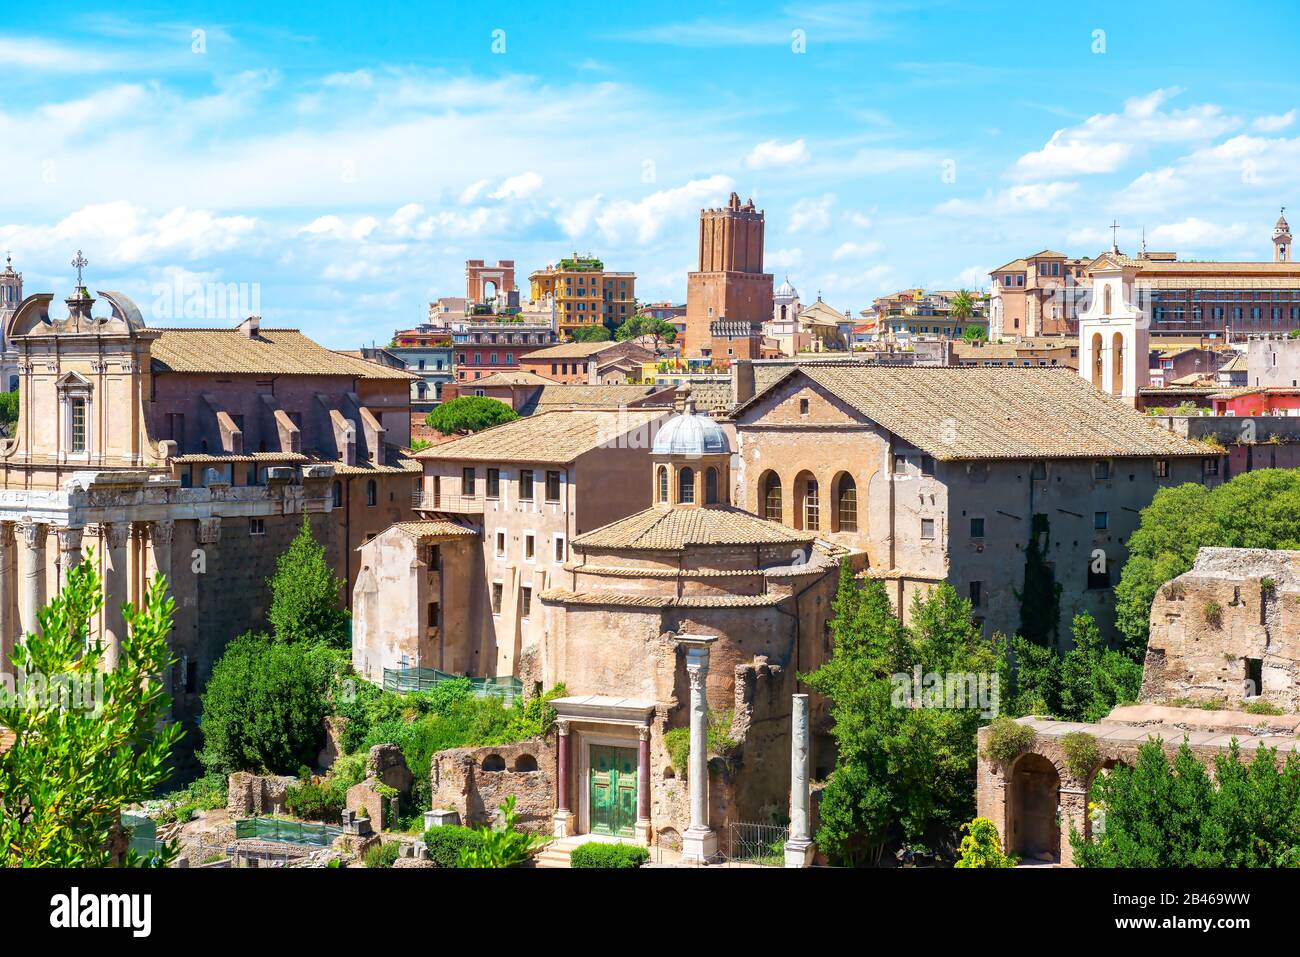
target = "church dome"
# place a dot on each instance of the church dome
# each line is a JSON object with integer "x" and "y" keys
{"x": 785, "y": 292}
{"x": 691, "y": 433}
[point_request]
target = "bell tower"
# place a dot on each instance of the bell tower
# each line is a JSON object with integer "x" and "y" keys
{"x": 1114, "y": 332}
{"x": 1282, "y": 239}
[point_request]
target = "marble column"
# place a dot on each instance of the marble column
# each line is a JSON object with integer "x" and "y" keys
{"x": 113, "y": 536}
{"x": 643, "y": 785}
{"x": 8, "y": 598}
{"x": 160, "y": 549}
{"x": 69, "y": 552}
{"x": 799, "y": 848}
{"x": 563, "y": 813}
{"x": 699, "y": 842}
{"x": 31, "y": 565}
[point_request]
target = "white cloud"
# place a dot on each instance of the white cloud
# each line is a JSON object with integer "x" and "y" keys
{"x": 640, "y": 222}
{"x": 852, "y": 250}
{"x": 517, "y": 187}
{"x": 1195, "y": 233}
{"x": 783, "y": 258}
{"x": 1021, "y": 198}
{"x": 1274, "y": 124}
{"x": 811, "y": 214}
{"x": 774, "y": 153}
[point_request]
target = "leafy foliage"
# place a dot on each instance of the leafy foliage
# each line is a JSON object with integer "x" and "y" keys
{"x": 469, "y": 413}
{"x": 446, "y": 840}
{"x": 974, "y": 334}
{"x": 1084, "y": 684}
{"x": 1258, "y": 509}
{"x": 596, "y": 333}
{"x": 1174, "y": 814}
{"x": 1082, "y": 755}
{"x": 70, "y": 769}
{"x": 383, "y": 855}
{"x": 317, "y": 800}
{"x": 902, "y": 772}
{"x": 305, "y": 592}
{"x": 643, "y": 325}
{"x": 1007, "y": 740}
{"x": 503, "y": 845}
{"x": 8, "y": 407}
{"x": 598, "y": 854}
{"x": 264, "y": 706}
{"x": 720, "y": 742}
{"x": 205, "y": 794}
{"x": 1040, "y": 602}
{"x": 981, "y": 846}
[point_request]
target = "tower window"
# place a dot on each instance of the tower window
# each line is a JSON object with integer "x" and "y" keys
{"x": 772, "y": 498}
{"x": 686, "y": 486}
{"x": 78, "y": 409}
{"x": 711, "y": 486}
{"x": 663, "y": 483}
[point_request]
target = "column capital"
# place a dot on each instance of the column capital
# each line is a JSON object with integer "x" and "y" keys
{"x": 562, "y": 726}
{"x": 33, "y": 533}
{"x": 162, "y": 532}
{"x": 69, "y": 538}
{"x": 643, "y": 732}
{"x": 114, "y": 534}
{"x": 209, "y": 532}
{"x": 6, "y": 534}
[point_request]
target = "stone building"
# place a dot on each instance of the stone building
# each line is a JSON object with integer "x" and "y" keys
{"x": 190, "y": 453}
{"x": 1222, "y": 634}
{"x": 584, "y": 293}
{"x": 730, "y": 288}
{"x": 587, "y": 363}
{"x": 942, "y": 474}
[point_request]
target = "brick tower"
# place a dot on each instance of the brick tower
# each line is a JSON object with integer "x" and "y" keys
{"x": 730, "y": 291}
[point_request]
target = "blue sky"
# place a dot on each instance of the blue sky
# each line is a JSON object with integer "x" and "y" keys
{"x": 345, "y": 164}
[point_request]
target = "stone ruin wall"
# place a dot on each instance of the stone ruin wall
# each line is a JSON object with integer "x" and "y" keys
{"x": 474, "y": 781}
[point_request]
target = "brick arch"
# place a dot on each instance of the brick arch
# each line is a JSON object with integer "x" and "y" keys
{"x": 837, "y": 487}
{"x": 760, "y": 495}
{"x": 805, "y": 481}
{"x": 1034, "y": 783}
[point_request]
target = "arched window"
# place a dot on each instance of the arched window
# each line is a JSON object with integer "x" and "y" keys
{"x": 686, "y": 486}
{"x": 772, "y": 497}
{"x": 711, "y": 486}
{"x": 846, "y": 507}
{"x": 1106, "y": 301}
{"x": 812, "y": 511}
{"x": 372, "y": 493}
{"x": 663, "y": 483}
{"x": 338, "y": 494}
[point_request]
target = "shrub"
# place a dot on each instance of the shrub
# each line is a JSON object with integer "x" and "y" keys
{"x": 501, "y": 846}
{"x": 205, "y": 794}
{"x": 981, "y": 846}
{"x": 383, "y": 855}
{"x": 597, "y": 854}
{"x": 8, "y": 407}
{"x": 1007, "y": 740}
{"x": 264, "y": 707}
{"x": 313, "y": 801}
{"x": 721, "y": 744}
{"x": 305, "y": 594}
{"x": 445, "y": 842}
{"x": 1263, "y": 707}
{"x": 1213, "y": 614}
{"x": 1081, "y": 753}
{"x": 469, "y": 413}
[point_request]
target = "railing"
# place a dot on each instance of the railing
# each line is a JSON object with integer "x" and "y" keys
{"x": 404, "y": 680}
{"x": 448, "y": 502}
{"x": 286, "y": 832}
{"x": 756, "y": 844}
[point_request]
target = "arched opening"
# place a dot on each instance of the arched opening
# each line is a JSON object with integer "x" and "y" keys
{"x": 1033, "y": 798}
{"x": 1117, "y": 364}
{"x": 711, "y": 486}
{"x": 668, "y": 837}
{"x": 686, "y": 486}
{"x": 846, "y": 503}
{"x": 338, "y": 494}
{"x": 1105, "y": 300}
{"x": 372, "y": 493}
{"x": 807, "y": 502}
{"x": 783, "y": 309}
{"x": 663, "y": 484}
{"x": 1096, "y": 359}
{"x": 770, "y": 490}
{"x": 494, "y": 762}
{"x": 525, "y": 763}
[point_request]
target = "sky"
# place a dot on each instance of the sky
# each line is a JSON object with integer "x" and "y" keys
{"x": 337, "y": 163}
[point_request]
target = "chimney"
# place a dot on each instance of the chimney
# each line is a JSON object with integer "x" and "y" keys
{"x": 250, "y": 326}
{"x": 742, "y": 381}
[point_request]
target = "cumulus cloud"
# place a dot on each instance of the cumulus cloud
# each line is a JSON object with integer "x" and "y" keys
{"x": 642, "y": 221}
{"x": 811, "y": 214}
{"x": 517, "y": 187}
{"x": 774, "y": 153}
{"x": 852, "y": 250}
{"x": 1275, "y": 123}
{"x": 1021, "y": 198}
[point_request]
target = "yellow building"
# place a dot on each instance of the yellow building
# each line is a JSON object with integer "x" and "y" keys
{"x": 584, "y": 293}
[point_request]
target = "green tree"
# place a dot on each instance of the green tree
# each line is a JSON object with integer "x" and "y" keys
{"x": 1255, "y": 510}
{"x": 594, "y": 333}
{"x": 905, "y": 769}
{"x": 80, "y": 754}
{"x": 264, "y": 706}
{"x": 1084, "y": 684}
{"x": 1040, "y": 599}
{"x": 981, "y": 846}
{"x": 643, "y": 325}
{"x": 974, "y": 334}
{"x": 305, "y": 594}
{"x": 8, "y": 408}
{"x": 503, "y": 845}
{"x": 469, "y": 413}
{"x": 962, "y": 306}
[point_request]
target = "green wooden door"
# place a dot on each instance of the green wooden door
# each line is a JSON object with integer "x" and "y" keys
{"x": 613, "y": 790}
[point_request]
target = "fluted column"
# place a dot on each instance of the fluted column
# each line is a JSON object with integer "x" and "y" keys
{"x": 563, "y": 815}
{"x": 8, "y": 598}
{"x": 160, "y": 549}
{"x": 31, "y": 565}
{"x": 699, "y": 843}
{"x": 69, "y": 552}
{"x": 113, "y": 536}
{"x": 799, "y": 848}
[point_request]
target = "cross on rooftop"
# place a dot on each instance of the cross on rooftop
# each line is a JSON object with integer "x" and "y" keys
{"x": 1114, "y": 235}
{"x": 81, "y": 263}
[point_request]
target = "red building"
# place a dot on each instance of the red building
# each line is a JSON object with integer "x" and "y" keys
{"x": 1252, "y": 401}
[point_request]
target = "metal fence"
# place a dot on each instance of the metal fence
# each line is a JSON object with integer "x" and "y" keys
{"x": 761, "y": 845}
{"x": 143, "y": 834}
{"x": 404, "y": 680}
{"x": 286, "y": 832}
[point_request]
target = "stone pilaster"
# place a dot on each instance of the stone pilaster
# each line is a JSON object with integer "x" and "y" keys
{"x": 8, "y": 598}
{"x": 31, "y": 564}
{"x": 699, "y": 842}
{"x": 799, "y": 848}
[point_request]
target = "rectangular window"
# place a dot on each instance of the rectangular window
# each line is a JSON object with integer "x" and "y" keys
{"x": 493, "y": 483}
{"x": 78, "y": 425}
{"x": 977, "y": 528}
{"x": 1101, "y": 471}
{"x": 432, "y": 616}
{"x": 552, "y": 486}
{"x": 927, "y": 528}
{"x": 1100, "y": 520}
{"x": 530, "y": 550}
{"x": 257, "y": 526}
{"x": 975, "y": 594}
{"x": 1211, "y": 466}
{"x": 927, "y": 465}
{"x": 900, "y": 464}
{"x": 1162, "y": 468}
{"x": 525, "y": 485}
{"x": 496, "y": 598}
{"x": 501, "y": 543}
{"x": 526, "y": 600}
{"x": 1254, "y": 677}
{"x": 803, "y": 406}
{"x": 467, "y": 481}
{"x": 559, "y": 548}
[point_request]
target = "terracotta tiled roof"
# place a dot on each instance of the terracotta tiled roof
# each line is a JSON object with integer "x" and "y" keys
{"x": 558, "y": 436}
{"x": 662, "y": 528}
{"x": 711, "y": 396}
{"x": 566, "y": 597}
{"x": 977, "y": 413}
{"x": 556, "y": 396}
{"x": 571, "y": 350}
{"x": 435, "y": 528}
{"x": 271, "y": 352}
{"x": 509, "y": 378}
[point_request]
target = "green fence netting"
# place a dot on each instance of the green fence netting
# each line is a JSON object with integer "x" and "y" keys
{"x": 403, "y": 680}
{"x": 286, "y": 832}
{"x": 144, "y": 834}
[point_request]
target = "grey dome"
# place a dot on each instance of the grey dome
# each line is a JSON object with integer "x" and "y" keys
{"x": 690, "y": 433}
